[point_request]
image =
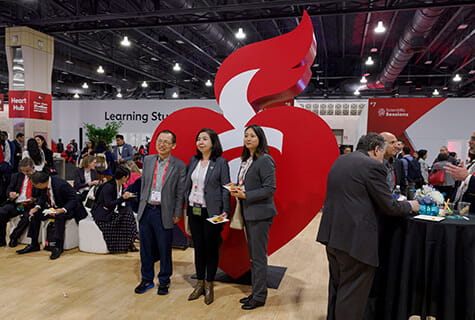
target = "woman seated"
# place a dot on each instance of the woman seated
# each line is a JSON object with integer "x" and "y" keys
{"x": 135, "y": 173}
{"x": 113, "y": 216}
{"x": 85, "y": 176}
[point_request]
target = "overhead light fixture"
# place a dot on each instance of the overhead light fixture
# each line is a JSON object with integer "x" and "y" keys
{"x": 69, "y": 62}
{"x": 100, "y": 69}
{"x": 125, "y": 42}
{"x": 457, "y": 78}
{"x": 369, "y": 61}
{"x": 408, "y": 81}
{"x": 154, "y": 59}
{"x": 144, "y": 84}
{"x": 176, "y": 67}
{"x": 373, "y": 50}
{"x": 435, "y": 92}
{"x": 208, "y": 83}
{"x": 179, "y": 41}
{"x": 175, "y": 95}
{"x": 85, "y": 85}
{"x": 240, "y": 34}
{"x": 357, "y": 92}
{"x": 445, "y": 88}
{"x": 462, "y": 26}
{"x": 380, "y": 28}
{"x": 76, "y": 96}
{"x": 363, "y": 80}
{"x": 119, "y": 95}
{"x": 471, "y": 72}
{"x": 428, "y": 62}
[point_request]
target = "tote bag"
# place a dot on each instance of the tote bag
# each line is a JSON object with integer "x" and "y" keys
{"x": 437, "y": 178}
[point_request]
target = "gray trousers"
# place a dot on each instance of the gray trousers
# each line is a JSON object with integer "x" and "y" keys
{"x": 257, "y": 233}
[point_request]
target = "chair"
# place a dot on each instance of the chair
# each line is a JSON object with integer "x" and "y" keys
{"x": 90, "y": 236}
{"x": 71, "y": 233}
{"x": 24, "y": 237}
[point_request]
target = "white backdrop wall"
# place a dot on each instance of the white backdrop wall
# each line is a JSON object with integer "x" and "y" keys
{"x": 140, "y": 118}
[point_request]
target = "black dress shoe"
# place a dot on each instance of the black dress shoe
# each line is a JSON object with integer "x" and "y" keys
{"x": 144, "y": 286}
{"x": 246, "y": 299}
{"x": 29, "y": 248}
{"x": 13, "y": 243}
{"x": 252, "y": 304}
{"x": 162, "y": 290}
{"x": 55, "y": 253}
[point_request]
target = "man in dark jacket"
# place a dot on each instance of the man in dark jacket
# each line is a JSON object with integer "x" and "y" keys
{"x": 357, "y": 194}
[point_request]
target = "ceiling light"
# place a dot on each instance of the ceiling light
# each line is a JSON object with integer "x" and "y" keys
{"x": 457, "y": 78}
{"x": 64, "y": 72}
{"x": 374, "y": 50}
{"x": 418, "y": 88}
{"x": 154, "y": 59}
{"x": 363, "y": 80}
{"x": 124, "y": 79}
{"x": 174, "y": 95}
{"x": 462, "y": 26}
{"x": 445, "y": 88}
{"x": 357, "y": 92}
{"x": 428, "y": 62}
{"x": 471, "y": 72}
{"x": 60, "y": 81}
{"x": 435, "y": 92}
{"x": 100, "y": 69}
{"x": 85, "y": 85}
{"x": 76, "y": 96}
{"x": 69, "y": 62}
{"x": 125, "y": 42}
{"x": 369, "y": 61}
{"x": 443, "y": 67}
{"x": 240, "y": 34}
{"x": 408, "y": 81}
{"x": 119, "y": 95}
{"x": 208, "y": 83}
{"x": 144, "y": 84}
{"x": 176, "y": 67}
{"x": 380, "y": 28}
{"x": 179, "y": 41}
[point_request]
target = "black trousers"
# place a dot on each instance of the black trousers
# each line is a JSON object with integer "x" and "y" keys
{"x": 7, "y": 212}
{"x": 349, "y": 286}
{"x": 59, "y": 221}
{"x": 206, "y": 241}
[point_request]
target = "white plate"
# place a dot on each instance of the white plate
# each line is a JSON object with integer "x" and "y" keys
{"x": 229, "y": 188}
{"x": 48, "y": 211}
{"x": 23, "y": 201}
{"x": 429, "y": 218}
{"x": 214, "y": 222}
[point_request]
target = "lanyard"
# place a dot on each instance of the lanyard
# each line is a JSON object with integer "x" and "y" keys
{"x": 155, "y": 173}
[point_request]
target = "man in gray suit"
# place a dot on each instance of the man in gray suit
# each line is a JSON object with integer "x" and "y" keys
{"x": 357, "y": 195}
{"x": 160, "y": 192}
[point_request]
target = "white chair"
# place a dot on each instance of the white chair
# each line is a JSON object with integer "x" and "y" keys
{"x": 71, "y": 233}
{"x": 23, "y": 238}
{"x": 90, "y": 236}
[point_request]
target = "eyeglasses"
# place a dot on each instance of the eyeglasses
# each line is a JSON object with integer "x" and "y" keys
{"x": 165, "y": 143}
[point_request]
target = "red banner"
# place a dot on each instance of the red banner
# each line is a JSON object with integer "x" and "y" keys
{"x": 29, "y": 104}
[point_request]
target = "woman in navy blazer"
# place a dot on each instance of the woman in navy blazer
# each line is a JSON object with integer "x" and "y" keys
{"x": 85, "y": 176}
{"x": 257, "y": 176}
{"x": 113, "y": 216}
{"x": 205, "y": 197}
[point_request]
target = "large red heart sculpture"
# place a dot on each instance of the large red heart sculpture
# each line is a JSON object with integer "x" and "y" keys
{"x": 303, "y": 157}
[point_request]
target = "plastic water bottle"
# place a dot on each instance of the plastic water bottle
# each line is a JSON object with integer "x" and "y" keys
{"x": 397, "y": 192}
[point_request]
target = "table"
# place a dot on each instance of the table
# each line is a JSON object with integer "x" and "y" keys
{"x": 427, "y": 269}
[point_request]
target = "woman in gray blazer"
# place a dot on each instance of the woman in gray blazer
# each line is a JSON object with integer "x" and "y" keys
{"x": 205, "y": 198}
{"x": 257, "y": 176}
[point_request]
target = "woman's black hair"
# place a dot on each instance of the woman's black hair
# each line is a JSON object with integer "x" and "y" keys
{"x": 44, "y": 145}
{"x": 34, "y": 151}
{"x": 121, "y": 172}
{"x": 216, "y": 148}
{"x": 422, "y": 153}
{"x": 442, "y": 157}
{"x": 261, "y": 147}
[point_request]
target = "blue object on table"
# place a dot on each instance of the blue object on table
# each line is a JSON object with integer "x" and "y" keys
{"x": 429, "y": 209}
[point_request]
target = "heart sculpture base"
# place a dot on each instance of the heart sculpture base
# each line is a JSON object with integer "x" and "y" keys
{"x": 275, "y": 275}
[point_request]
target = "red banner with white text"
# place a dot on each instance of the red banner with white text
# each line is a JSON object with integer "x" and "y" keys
{"x": 29, "y": 104}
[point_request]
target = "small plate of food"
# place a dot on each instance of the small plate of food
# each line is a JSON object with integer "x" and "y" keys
{"x": 23, "y": 201}
{"x": 217, "y": 219}
{"x": 233, "y": 187}
{"x": 49, "y": 211}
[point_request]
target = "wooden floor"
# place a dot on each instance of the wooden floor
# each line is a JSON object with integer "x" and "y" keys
{"x": 91, "y": 286}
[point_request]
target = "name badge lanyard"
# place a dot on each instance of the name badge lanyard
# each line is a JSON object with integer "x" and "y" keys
{"x": 155, "y": 173}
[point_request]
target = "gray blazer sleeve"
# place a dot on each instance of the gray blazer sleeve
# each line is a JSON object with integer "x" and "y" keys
{"x": 266, "y": 172}
{"x": 225, "y": 179}
{"x": 180, "y": 188}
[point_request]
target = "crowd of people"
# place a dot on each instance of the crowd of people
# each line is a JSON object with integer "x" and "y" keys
{"x": 158, "y": 190}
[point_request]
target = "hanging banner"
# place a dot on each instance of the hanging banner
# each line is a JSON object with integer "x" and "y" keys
{"x": 29, "y": 104}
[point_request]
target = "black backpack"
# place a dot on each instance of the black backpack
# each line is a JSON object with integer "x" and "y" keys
{"x": 414, "y": 173}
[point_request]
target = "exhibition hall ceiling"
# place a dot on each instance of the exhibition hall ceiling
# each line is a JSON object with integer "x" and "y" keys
{"x": 175, "y": 47}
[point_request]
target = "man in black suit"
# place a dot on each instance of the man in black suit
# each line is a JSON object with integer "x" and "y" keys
{"x": 357, "y": 194}
{"x": 18, "y": 142}
{"x": 394, "y": 166}
{"x": 59, "y": 195}
{"x": 21, "y": 198}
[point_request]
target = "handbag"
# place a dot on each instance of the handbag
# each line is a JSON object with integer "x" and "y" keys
{"x": 437, "y": 178}
{"x": 237, "y": 221}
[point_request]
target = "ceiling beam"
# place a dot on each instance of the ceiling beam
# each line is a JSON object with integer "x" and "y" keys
{"x": 365, "y": 33}
{"x": 461, "y": 42}
{"x": 466, "y": 63}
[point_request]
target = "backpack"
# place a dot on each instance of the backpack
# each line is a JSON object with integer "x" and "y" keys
{"x": 414, "y": 173}
{"x": 101, "y": 162}
{"x": 92, "y": 198}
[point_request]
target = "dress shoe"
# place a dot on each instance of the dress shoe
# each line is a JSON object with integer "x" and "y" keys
{"x": 29, "y": 248}
{"x": 252, "y": 304}
{"x": 209, "y": 292}
{"x": 246, "y": 299}
{"x": 13, "y": 243}
{"x": 55, "y": 253}
{"x": 144, "y": 286}
{"x": 199, "y": 290}
{"x": 162, "y": 290}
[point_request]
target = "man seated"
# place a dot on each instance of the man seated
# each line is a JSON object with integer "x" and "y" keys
{"x": 21, "y": 198}
{"x": 63, "y": 203}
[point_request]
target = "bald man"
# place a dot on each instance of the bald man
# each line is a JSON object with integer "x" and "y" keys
{"x": 394, "y": 166}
